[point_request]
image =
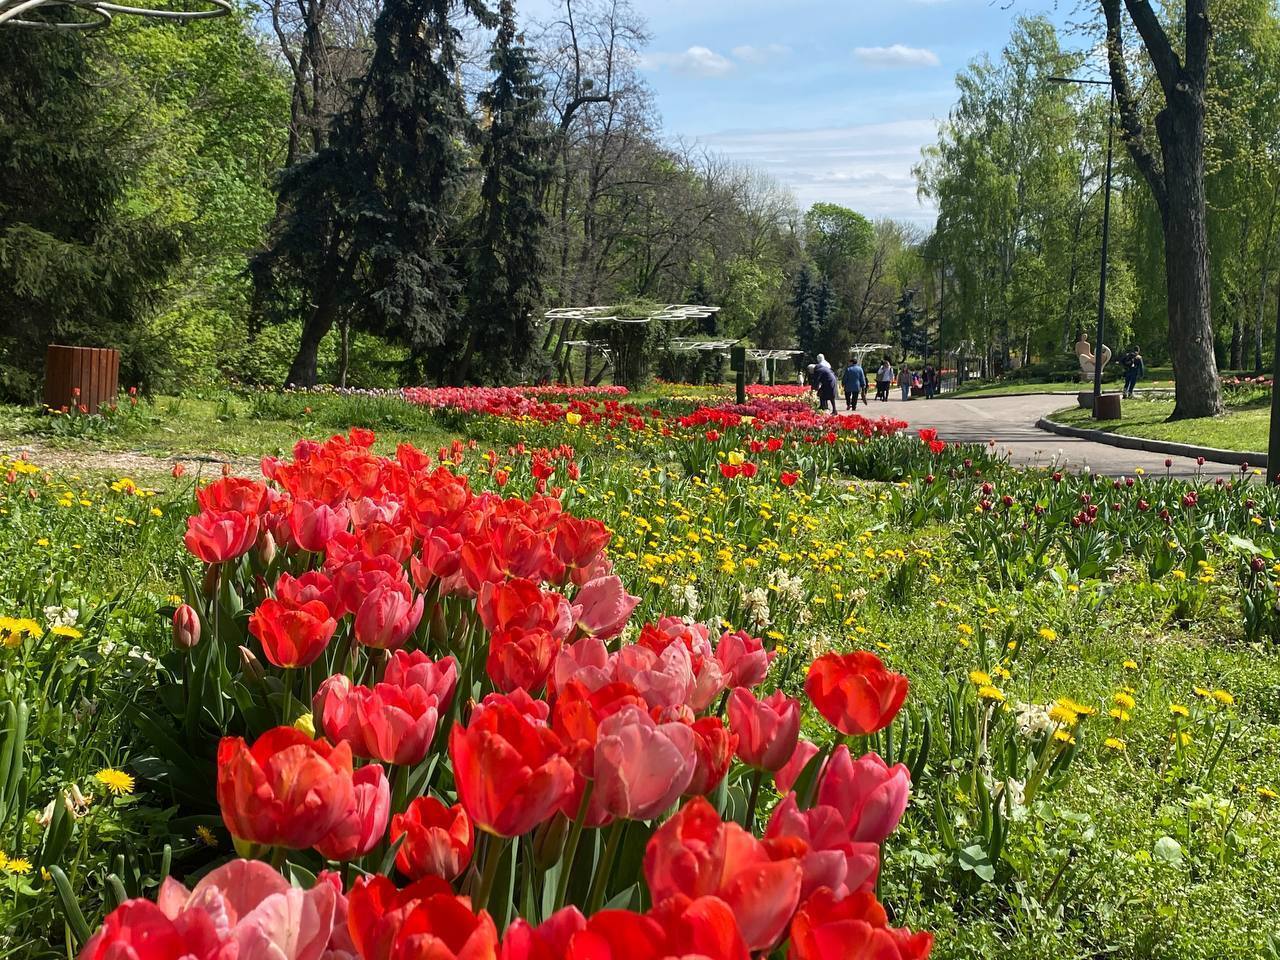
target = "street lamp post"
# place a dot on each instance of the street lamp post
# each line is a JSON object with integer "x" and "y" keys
{"x": 1106, "y": 231}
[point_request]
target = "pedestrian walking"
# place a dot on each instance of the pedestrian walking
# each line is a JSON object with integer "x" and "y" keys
{"x": 1135, "y": 368}
{"x": 930, "y": 379}
{"x": 905, "y": 381}
{"x": 824, "y": 381}
{"x": 884, "y": 377}
{"x": 854, "y": 381}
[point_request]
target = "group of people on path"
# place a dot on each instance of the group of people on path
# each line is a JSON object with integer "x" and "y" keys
{"x": 822, "y": 378}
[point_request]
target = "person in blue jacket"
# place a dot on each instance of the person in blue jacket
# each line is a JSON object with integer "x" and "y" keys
{"x": 854, "y": 381}
{"x": 824, "y": 381}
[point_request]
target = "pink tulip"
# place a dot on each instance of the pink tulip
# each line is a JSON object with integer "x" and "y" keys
{"x": 394, "y": 724}
{"x": 366, "y": 825}
{"x": 767, "y": 729}
{"x": 829, "y": 859}
{"x": 786, "y": 775}
{"x": 870, "y": 795}
{"x": 313, "y": 524}
{"x": 641, "y": 766}
{"x": 413, "y": 668}
{"x": 664, "y": 680}
{"x": 388, "y": 615}
{"x": 586, "y": 661}
{"x": 602, "y": 607}
{"x": 743, "y": 659}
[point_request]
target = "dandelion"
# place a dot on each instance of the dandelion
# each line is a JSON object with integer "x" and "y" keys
{"x": 1179, "y": 575}
{"x": 1178, "y": 710}
{"x": 71, "y": 633}
{"x": 979, "y": 678}
{"x": 1115, "y": 743}
{"x": 1265, "y": 792}
{"x": 1048, "y": 634}
{"x": 18, "y": 865}
{"x": 206, "y": 836}
{"x": 1222, "y": 697}
{"x": 1130, "y": 665}
{"x": 1063, "y": 737}
{"x": 117, "y": 781}
{"x": 1117, "y": 714}
{"x": 1124, "y": 701}
{"x": 988, "y": 692}
{"x": 964, "y": 629}
{"x": 1182, "y": 738}
{"x": 1063, "y": 715}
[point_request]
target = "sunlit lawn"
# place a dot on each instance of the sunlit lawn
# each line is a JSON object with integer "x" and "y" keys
{"x": 1241, "y": 428}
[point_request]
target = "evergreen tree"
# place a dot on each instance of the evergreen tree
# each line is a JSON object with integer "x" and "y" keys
{"x": 824, "y": 316}
{"x": 505, "y": 280}
{"x": 77, "y": 264}
{"x": 369, "y": 220}
{"x": 802, "y": 303}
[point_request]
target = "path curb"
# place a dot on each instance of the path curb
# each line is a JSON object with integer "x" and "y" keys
{"x": 1216, "y": 454}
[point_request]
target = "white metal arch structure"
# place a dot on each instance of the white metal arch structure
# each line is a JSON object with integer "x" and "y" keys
{"x": 17, "y": 13}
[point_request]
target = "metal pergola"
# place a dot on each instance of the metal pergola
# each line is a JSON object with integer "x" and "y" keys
{"x": 17, "y": 13}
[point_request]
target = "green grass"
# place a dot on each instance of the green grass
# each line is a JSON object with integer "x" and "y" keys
{"x": 1243, "y": 427}
{"x": 1158, "y": 378}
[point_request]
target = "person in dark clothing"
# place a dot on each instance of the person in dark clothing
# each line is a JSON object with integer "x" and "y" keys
{"x": 1135, "y": 368}
{"x": 824, "y": 381}
{"x": 930, "y": 381}
{"x": 854, "y": 381}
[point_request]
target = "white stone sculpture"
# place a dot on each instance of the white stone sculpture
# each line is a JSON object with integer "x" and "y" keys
{"x": 1084, "y": 353}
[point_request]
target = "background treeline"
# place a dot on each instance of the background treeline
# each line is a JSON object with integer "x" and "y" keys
{"x": 1017, "y": 176}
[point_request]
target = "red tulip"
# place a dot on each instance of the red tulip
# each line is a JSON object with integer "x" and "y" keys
{"x": 508, "y": 768}
{"x": 388, "y": 615}
{"x": 521, "y": 659}
{"x": 641, "y": 766}
{"x": 788, "y": 478}
{"x": 827, "y": 928}
{"x": 292, "y": 636}
{"x": 855, "y": 692}
{"x": 767, "y": 729}
{"x": 186, "y": 628}
{"x": 424, "y": 921}
{"x": 232, "y": 493}
{"x": 696, "y": 854}
{"x": 440, "y": 557}
{"x": 743, "y": 659}
{"x": 578, "y": 542}
{"x": 366, "y": 825}
{"x": 702, "y": 928}
{"x": 549, "y": 940}
{"x": 870, "y": 795}
{"x": 664, "y": 680}
{"x": 312, "y": 585}
{"x": 287, "y": 790}
{"x": 219, "y": 536}
{"x": 140, "y": 930}
{"x": 522, "y": 604}
{"x": 713, "y": 748}
{"x": 394, "y": 724}
{"x": 602, "y": 607}
{"x": 828, "y": 857}
{"x": 355, "y": 576}
{"x": 312, "y": 525}
{"x": 438, "y": 840}
{"x": 413, "y": 668}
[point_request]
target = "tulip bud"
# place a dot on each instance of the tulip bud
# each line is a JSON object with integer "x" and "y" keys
{"x": 186, "y": 628}
{"x": 438, "y": 628}
{"x": 266, "y": 550}
{"x": 178, "y": 469}
{"x": 251, "y": 666}
{"x": 548, "y": 842}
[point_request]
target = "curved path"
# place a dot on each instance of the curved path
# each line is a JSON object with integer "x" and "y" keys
{"x": 1011, "y": 422}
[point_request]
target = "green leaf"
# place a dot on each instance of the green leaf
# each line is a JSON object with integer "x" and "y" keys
{"x": 1167, "y": 849}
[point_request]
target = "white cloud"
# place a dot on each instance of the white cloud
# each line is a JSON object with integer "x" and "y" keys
{"x": 897, "y": 55}
{"x": 697, "y": 59}
{"x": 866, "y": 167}
{"x": 760, "y": 55}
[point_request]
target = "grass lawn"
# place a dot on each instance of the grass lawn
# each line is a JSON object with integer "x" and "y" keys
{"x": 1160, "y": 378}
{"x": 1243, "y": 427}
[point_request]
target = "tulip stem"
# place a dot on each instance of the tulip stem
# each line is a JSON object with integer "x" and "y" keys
{"x": 286, "y": 678}
{"x": 493, "y": 848}
{"x": 600, "y": 882}
{"x": 749, "y": 823}
{"x": 571, "y": 847}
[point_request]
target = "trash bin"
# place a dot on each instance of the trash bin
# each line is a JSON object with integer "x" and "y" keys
{"x": 81, "y": 377}
{"x": 1107, "y": 407}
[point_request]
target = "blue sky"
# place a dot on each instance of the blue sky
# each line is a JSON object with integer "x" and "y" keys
{"x": 834, "y": 99}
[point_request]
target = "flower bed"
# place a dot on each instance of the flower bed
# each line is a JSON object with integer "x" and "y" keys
{"x": 480, "y": 731}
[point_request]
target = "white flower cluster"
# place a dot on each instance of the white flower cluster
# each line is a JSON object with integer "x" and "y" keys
{"x": 57, "y": 616}
{"x": 755, "y": 607}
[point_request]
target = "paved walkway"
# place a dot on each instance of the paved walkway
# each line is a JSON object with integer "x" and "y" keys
{"x": 1011, "y": 422}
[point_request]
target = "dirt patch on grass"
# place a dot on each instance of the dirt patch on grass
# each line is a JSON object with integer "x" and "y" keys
{"x": 125, "y": 463}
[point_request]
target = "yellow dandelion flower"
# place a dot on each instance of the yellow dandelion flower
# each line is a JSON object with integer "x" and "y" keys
{"x": 1064, "y": 715}
{"x": 18, "y": 865}
{"x": 988, "y": 692}
{"x": 1181, "y": 737}
{"x": 1118, "y": 714}
{"x": 71, "y": 633}
{"x": 1075, "y": 706}
{"x": 1223, "y": 697}
{"x": 1179, "y": 575}
{"x": 1123, "y": 700}
{"x": 1178, "y": 710}
{"x": 117, "y": 781}
{"x": 206, "y": 836}
{"x": 1063, "y": 737}
{"x": 965, "y": 629}
{"x": 1265, "y": 792}
{"x": 979, "y": 678}
{"x": 1047, "y": 634}
{"x": 1115, "y": 743}
{"x": 1130, "y": 665}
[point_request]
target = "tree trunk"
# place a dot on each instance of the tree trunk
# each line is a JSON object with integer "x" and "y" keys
{"x": 1237, "y": 339}
{"x": 302, "y": 372}
{"x": 344, "y": 354}
{"x": 1197, "y": 388}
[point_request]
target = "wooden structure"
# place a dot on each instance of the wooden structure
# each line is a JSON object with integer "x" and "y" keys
{"x": 81, "y": 377}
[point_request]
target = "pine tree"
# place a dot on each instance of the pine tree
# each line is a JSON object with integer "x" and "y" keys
{"x": 824, "y": 310}
{"x": 802, "y": 302}
{"x": 505, "y": 280}
{"x": 369, "y": 221}
{"x": 77, "y": 266}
